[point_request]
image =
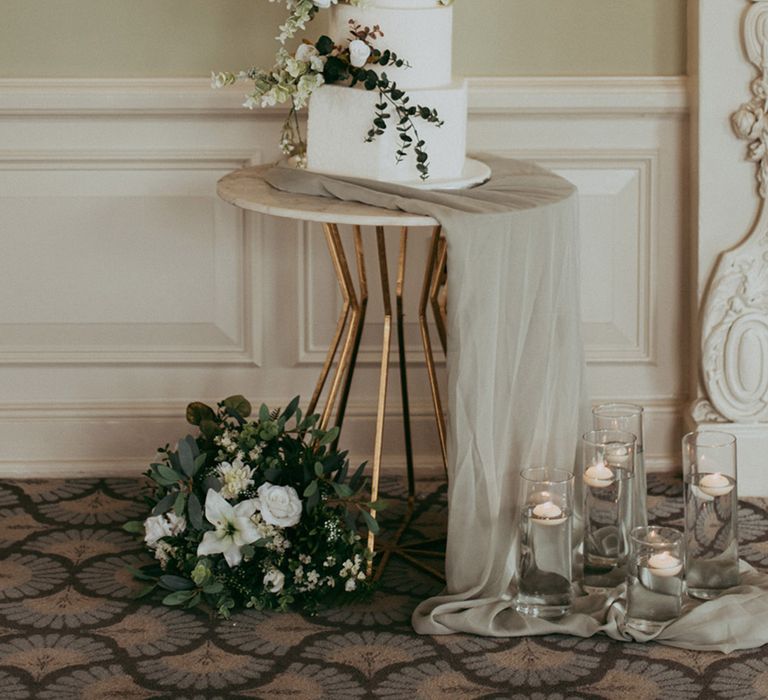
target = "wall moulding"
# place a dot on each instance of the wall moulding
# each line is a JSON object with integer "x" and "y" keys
{"x": 68, "y": 188}
{"x": 600, "y": 96}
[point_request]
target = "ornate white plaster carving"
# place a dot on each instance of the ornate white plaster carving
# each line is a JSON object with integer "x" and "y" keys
{"x": 703, "y": 412}
{"x": 735, "y": 315}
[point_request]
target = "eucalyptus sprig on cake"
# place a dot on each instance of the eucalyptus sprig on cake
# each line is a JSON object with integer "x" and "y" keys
{"x": 255, "y": 512}
{"x": 295, "y": 76}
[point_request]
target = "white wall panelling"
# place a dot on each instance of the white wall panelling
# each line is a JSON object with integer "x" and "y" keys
{"x": 129, "y": 289}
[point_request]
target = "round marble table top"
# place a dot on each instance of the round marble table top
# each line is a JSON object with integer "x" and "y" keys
{"x": 247, "y": 189}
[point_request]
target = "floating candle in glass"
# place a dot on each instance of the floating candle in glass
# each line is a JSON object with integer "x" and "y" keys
{"x": 711, "y": 513}
{"x": 627, "y": 417}
{"x": 608, "y": 496}
{"x": 545, "y": 556}
{"x": 715, "y": 484}
{"x": 664, "y": 564}
{"x": 654, "y": 578}
{"x": 598, "y": 476}
{"x": 548, "y": 513}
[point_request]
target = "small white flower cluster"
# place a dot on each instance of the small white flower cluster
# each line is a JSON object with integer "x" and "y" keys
{"x": 350, "y": 570}
{"x": 157, "y": 527}
{"x": 278, "y": 543}
{"x": 309, "y": 580}
{"x": 227, "y": 441}
{"x": 236, "y": 477}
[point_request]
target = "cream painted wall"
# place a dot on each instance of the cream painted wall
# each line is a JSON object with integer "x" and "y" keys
{"x": 186, "y": 38}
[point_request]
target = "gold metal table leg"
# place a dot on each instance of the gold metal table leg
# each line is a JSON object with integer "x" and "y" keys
{"x": 384, "y": 373}
{"x": 350, "y": 298}
{"x": 363, "y": 282}
{"x": 429, "y": 273}
{"x": 403, "y": 365}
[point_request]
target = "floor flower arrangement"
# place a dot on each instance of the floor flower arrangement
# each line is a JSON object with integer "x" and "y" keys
{"x": 256, "y": 512}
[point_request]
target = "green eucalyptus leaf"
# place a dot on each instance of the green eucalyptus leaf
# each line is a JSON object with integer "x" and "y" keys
{"x": 291, "y": 408}
{"x": 239, "y": 404}
{"x": 370, "y": 522}
{"x": 342, "y": 490}
{"x": 164, "y": 504}
{"x": 186, "y": 456}
{"x": 180, "y": 503}
{"x": 134, "y": 526}
{"x": 178, "y": 597}
{"x": 199, "y": 462}
{"x": 330, "y": 436}
{"x": 311, "y": 489}
{"x": 168, "y": 474}
{"x": 319, "y": 471}
{"x": 175, "y": 583}
{"x": 195, "y": 511}
{"x": 198, "y": 412}
{"x": 212, "y": 588}
{"x": 209, "y": 428}
{"x": 324, "y": 45}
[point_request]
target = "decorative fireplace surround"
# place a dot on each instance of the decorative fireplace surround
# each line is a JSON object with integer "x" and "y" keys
{"x": 730, "y": 225}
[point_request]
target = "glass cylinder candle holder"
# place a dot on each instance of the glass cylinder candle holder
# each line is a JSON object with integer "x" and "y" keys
{"x": 609, "y": 461}
{"x": 654, "y": 578}
{"x": 711, "y": 513}
{"x": 628, "y": 417}
{"x": 544, "y": 564}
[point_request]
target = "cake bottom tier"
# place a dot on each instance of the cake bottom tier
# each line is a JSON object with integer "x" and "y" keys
{"x": 339, "y": 120}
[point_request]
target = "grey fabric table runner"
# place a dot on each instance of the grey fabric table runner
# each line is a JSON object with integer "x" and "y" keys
{"x": 516, "y": 398}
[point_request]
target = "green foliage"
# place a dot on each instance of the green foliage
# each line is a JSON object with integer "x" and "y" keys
{"x": 321, "y": 560}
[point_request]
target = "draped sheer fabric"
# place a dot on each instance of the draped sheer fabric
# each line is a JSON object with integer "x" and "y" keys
{"x": 516, "y": 398}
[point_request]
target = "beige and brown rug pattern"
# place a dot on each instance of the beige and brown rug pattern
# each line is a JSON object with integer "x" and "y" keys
{"x": 70, "y": 627}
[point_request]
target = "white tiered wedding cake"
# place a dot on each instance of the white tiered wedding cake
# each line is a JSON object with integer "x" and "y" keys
{"x": 419, "y": 32}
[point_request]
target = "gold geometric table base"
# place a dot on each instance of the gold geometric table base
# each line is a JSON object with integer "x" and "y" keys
{"x": 346, "y": 344}
{"x": 249, "y": 189}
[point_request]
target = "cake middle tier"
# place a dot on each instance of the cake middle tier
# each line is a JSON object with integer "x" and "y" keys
{"x": 339, "y": 120}
{"x": 422, "y": 36}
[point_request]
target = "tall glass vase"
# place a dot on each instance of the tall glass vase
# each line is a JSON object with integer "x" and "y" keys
{"x": 609, "y": 461}
{"x": 628, "y": 417}
{"x": 711, "y": 513}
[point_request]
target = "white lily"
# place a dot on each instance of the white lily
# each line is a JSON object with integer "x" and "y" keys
{"x": 234, "y": 528}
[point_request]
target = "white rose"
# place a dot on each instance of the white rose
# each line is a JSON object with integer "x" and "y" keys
{"x": 274, "y": 581}
{"x": 159, "y": 526}
{"x": 359, "y": 53}
{"x": 306, "y": 52}
{"x": 155, "y": 528}
{"x": 279, "y": 505}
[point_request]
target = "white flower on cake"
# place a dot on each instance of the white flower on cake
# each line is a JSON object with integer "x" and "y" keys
{"x": 158, "y": 526}
{"x": 236, "y": 477}
{"x": 279, "y": 505}
{"x": 359, "y": 53}
{"x": 234, "y": 527}
{"x": 274, "y": 581}
{"x": 307, "y": 53}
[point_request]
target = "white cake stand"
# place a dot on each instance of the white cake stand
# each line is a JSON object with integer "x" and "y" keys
{"x": 474, "y": 173}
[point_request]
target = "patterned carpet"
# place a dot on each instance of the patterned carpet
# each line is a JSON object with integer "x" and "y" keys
{"x": 69, "y": 627}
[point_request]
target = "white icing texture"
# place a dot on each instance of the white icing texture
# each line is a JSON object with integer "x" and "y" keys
{"x": 420, "y": 35}
{"x": 339, "y": 120}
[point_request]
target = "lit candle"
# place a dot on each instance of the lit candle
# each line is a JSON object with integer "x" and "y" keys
{"x": 664, "y": 564}
{"x": 598, "y": 476}
{"x": 616, "y": 454}
{"x": 548, "y": 513}
{"x": 715, "y": 484}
